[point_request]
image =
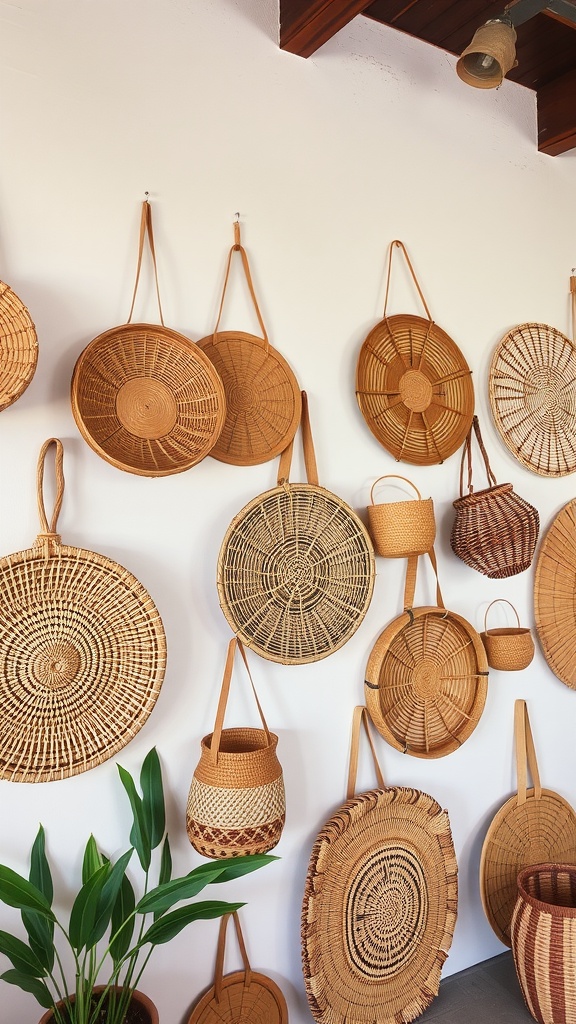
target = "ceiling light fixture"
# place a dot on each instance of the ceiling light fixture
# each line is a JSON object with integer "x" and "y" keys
{"x": 492, "y": 52}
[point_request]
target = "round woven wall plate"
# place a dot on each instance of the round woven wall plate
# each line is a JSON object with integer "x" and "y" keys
{"x": 532, "y": 386}
{"x": 263, "y": 404}
{"x": 379, "y": 909}
{"x": 260, "y": 1002}
{"x": 554, "y": 589}
{"x": 414, "y": 389}
{"x": 18, "y": 347}
{"x": 295, "y": 573}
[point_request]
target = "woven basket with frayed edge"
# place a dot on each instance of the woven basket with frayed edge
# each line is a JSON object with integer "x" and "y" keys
{"x": 18, "y": 347}
{"x": 508, "y": 648}
{"x": 401, "y": 528}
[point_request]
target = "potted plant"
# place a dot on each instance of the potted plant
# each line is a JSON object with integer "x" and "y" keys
{"x": 109, "y": 928}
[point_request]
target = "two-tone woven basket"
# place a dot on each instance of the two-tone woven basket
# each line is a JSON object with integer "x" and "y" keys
{"x": 18, "y": 347}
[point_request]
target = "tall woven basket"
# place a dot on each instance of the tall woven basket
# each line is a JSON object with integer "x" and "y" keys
{"x": 18, "y": 347}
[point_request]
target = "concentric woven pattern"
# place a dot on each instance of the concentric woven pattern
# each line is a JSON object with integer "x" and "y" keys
{"x": 147, "y": 400}
{"x": 379, "y": 909}
{"x": 414, "y": 389}
{"x": 532, "y": 385}
{"x": 426, "y": 682}
{"x": 82, "y": 659}
{"x": 554, "y": 588}
{"x": 295, "y": 573}
{"x": 261, "y": 1002}
{"x": 263, "y": 404}
{"x": 18, "y": 347}
{"x": 520, "y": 835}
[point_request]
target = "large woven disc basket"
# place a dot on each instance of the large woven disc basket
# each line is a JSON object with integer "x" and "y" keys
{"x": 296, "y": 567}
{"x": 532, "y": 826}
{"x": 82, "y": 654}
{"x": 413, "y": 385}
{"x": 426, "y": 678}
{"x": 18, "y": 347}
{"x": 554, "y": 588}
{"x": 263, "y": 405}
{"x": 379, "y": 906}
{"x": 144, "y": 397}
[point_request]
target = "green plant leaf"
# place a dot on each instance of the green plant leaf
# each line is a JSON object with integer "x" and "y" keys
{"x": 85, "y": 908}
{"x": 92, "y": 860}
{"x": 20, "y": 893}
{"x": 165, "y": 873}
{"x": 40, "y": 933}
{"x": 238, "y": 866}
{"x": 165, "y": 896}
{"x": 40, "y": 874}
{"x": 21, "y": 956}
{"x": 107, "y": 899}
{"x": 123, "y": 920}
{"x": 153, "y": 798}
{"x": 139, "y": 832}
{"x": 170, "y": 925}
{"x": 28, "y": 984}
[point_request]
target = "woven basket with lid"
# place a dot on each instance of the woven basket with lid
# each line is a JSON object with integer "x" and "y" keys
{"x": 18, "y": 347}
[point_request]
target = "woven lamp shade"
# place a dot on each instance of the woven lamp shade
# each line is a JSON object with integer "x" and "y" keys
{"x": 82, "y": 657}
{"x": 554, "y": 588}
{"x": 18, "y": 347}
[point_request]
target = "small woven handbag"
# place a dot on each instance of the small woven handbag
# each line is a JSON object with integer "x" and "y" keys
{"x": 494, "y": 530}
{"x": 401, "y": 528}
{"x": 236, "y": 803}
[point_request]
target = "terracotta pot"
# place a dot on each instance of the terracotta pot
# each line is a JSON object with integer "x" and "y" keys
{"x": 139, "y": 998}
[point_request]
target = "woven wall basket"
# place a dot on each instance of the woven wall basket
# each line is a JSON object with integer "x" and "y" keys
{"x": 533, "y": 825}
{"x": 508, "y": 648}
{"x": 296, "y": 567}
{"x": 413, "y": 385}
{"x": 244, "y": 997}
{"x": 379, "y": 905}
{"x": 401, "y": 528}
{"x": 144, "y": 397}
{"x": 554, "y": 588}
{"x": 263, "y": 405}
{"x": 532, "y": 385}
{"x": 18, "y": 347}
{"x": 426, "y": 678}
{"x": 82, "y": 653}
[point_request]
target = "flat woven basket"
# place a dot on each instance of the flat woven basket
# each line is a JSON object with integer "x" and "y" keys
{"x": 263, "y": 404}
{"x": 296, "y": 567}
{"x": 379, "y": 906}
{"x": 413, "y": 385}
{"x": 82, "y": 653}
{"x": 532, "y": 826}
{"x": 145, "y": 398}
{"x": 426, "y": 678}
{"x": 18, "y": 347}
{"x": 243, "y": 997}
{"x": 554, "y": 588}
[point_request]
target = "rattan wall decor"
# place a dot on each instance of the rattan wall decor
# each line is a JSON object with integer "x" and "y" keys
{"x": 401, "y": 528}
{"x": 263, "y": 405}
{"x": 82, "y": 653}
{"x": 18, "y": 347}
{"x": 296, "y": 567}
{"x": 508, "y": 648}
{"x": 144, "y": 397}
{"x": 380, "y": 904}
{"x": 533, "y": 825}
{"x": 427, "y": 677}
{"x": 413, "y": 385}
{"x": 554, "y": 589}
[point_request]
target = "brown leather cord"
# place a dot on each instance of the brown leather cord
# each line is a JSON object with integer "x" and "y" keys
{"x": 146, "y": 229}
{"x": 219, "y": 971}
{"x": 573, "y": 303}
{"x": 467, "y": 455}
{"x": 48, "y": 532}
{"x": 525, "y": 753}
{"x": 360, "y": 716}
{"x": 238, "y": 247}
{"x": 223, "y": 700}
{"x": 309, "y": 453}
{"x": 401, "y": 246}
{"x": 410, "y": 583}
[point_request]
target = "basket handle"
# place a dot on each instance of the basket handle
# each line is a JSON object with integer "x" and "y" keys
{"x": 219, "y": 971}
{"x": 502, "y": 600}
{"x": 525, "y": 752}
{"x": 467, "y": 455}
{"x": 224, "y": 693}
{"x": 238, "y": 247}
{"x": 410, "y": 583}
{"x": 48, "y": 536}
{"x": 395, "y": 476}
{"x": 360, "y": 716}
{"x": 146, "y": 229}
{"x": 401, "y": 246}
{"x": 309, "y": 453}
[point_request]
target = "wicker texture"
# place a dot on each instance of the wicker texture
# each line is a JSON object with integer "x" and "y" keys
{"x": 554, "y": 588}
{"x": 379, "y": 908}
{"x": 413, "y": 385}
{"x": 508, "y": 648}
{"x": 544, "y": 941}
{"x": 494, "y": 530}
{"x": 532, "y": 386}
{"x": 533, "y": 825}
{"x": 427, "y": 678}
{"x": 296, "y": 568}
{"x": 82, "y": 654}
{"x": 401, "y": 528}
{"x": 18, "y": 347}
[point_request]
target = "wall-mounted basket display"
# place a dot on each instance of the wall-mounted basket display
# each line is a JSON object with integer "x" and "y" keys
{"x": 401, "y": 528}
{"x": 18, "y": 347}
{"x": 554, "y": 589}
{"x": 508, "y": 648}
{"x": 413, "y": 385}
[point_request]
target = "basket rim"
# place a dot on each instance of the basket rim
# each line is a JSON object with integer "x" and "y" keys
{"x": 542, "y": 905}
{"x": 238, "y": 731}
{"x": 506, "y": 631}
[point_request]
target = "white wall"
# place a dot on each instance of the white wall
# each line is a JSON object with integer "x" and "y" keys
{"x": 327, "y": 160}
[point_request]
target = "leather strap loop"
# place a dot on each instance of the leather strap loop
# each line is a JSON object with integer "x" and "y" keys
{"x": 360, "y": 716}
{"x": 309, "y": 453}
{"x": 223, "y": 700}
{"x": 400, "y": 245}
{"x": 146, "y": 229}
{"x": 467, "y": 455}
{"x": 410, "y": 582}
{"x": 48, "y": 536}
{"x": 238, "y": 247}
{"x": 525, "y": 753}
{"x": 219, "y": 971}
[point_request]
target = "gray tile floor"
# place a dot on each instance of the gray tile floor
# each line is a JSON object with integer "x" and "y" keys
{"x": 485, "y": 994}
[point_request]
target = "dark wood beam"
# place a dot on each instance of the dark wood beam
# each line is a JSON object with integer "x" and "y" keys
{"x": 557, "y": 115}
{"x": 305, "y": 25}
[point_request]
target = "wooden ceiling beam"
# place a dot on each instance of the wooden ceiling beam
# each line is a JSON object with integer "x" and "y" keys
{"x": 557, "y": 115}
{"x": 306, "y": 26}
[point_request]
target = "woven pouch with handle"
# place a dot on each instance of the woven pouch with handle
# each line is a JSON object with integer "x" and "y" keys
{"x": 401, "y": 528}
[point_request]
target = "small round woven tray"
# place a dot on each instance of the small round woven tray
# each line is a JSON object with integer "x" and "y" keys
{"x": 554, "y": 589}
{"x": 18, "y": 347}
{"x": 532, "y": 386}
{"x": 82, "y": 658}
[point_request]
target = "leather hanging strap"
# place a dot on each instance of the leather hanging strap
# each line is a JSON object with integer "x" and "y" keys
{"x": 467, "y": 455}
{"x": 224, "y": 693}
{"x": 238, "y": 247}
{"x": 360, "y": 716}
{"x": 410, "y": 582}
{"x": 48, "y": 537}
{"x": 221, "y": 949}
{"x": 146, "y": 229}
{"x": 525, "y": 753}
{"x": 573, "y": 298}
{"x": 309, "y": 453}
{"x": 400, "y": 245}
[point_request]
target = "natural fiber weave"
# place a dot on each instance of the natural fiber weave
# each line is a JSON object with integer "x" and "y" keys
{"x": 508, "y": 648}
{"x": 18, "y": 347}
{"x": 82, "y": 656}
{"x": 554, "y": 588}
{"x": 401, "y": 528}
{"x": 532, "y": 386}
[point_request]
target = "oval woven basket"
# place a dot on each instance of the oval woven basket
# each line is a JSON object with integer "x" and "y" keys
{"x": 18, "y": 347}
{"x": 82, "y": 658}
{"x": 554, "y": 588}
